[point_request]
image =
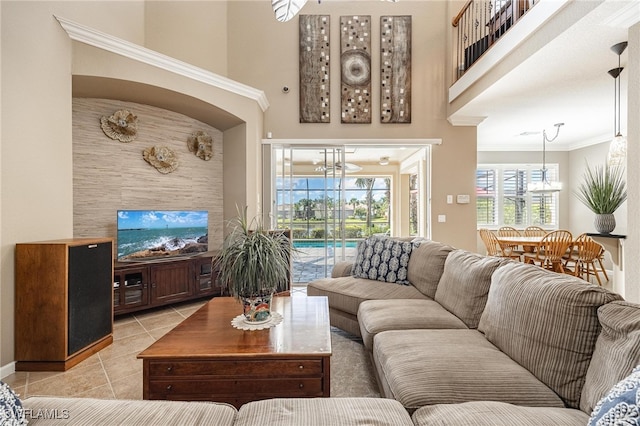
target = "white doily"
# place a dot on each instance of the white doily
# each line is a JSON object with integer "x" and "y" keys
{"x": 240, "y": 323}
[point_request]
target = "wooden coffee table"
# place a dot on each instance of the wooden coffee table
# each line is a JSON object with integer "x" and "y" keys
{"x": 206, "y": 359}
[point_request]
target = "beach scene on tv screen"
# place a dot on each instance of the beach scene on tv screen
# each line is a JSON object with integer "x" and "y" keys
{"x": 150, "y": 234}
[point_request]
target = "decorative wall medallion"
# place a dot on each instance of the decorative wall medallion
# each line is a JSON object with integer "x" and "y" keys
{"x": 162, "y": 158}
{"x": 395, "y": 69}
{"x": 121, "y": 126}
{"x": 314, "y": 68}
{"x": 355, "y": 62}
{"x": 201, "y": 144}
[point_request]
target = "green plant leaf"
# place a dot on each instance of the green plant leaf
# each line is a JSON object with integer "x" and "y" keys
{"x": 603, "y": 188}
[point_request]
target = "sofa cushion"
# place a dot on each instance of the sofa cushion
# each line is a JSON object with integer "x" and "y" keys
{"x": 465, "y": 283}
{"x": 346, "y": 293}
{"x": 375, "y": 316}
{"x": 323, "y": 411}
{"x": 617, "y": 351}
{"x": 493, "y": 413}
{"x": 547, "y": 322}
{"x": 110, "y": 412}
{"x": 621, "y": 406}
{"x": 426, "y": 265}
{"x": 426, "y": 367}
{"x": 383, "y": 259}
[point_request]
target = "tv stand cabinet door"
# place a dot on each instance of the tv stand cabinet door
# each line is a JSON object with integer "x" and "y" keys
{"x": 170, "y": 282}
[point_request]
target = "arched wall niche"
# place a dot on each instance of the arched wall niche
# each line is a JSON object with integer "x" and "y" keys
{"x": 106, "y": 67}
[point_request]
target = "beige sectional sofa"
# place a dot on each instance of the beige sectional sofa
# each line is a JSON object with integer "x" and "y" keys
{"x": 489, "y": 340}
{"x": 471, "y": 340}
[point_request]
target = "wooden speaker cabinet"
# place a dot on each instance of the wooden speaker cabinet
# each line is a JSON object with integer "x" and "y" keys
{"x": 64, "y": 302}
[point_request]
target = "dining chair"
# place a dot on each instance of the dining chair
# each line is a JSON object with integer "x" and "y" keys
{"x": 552, "y": 247}
{"x": 509, "y": 231}
{"x": 494, "y": 248}
{"x": 534, "y": 231}
{"x": 585, "y": 257}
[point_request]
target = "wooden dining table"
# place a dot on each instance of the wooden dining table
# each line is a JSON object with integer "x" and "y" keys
{"x": 529, "y": 245}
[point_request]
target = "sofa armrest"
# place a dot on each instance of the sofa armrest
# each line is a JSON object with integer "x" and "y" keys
{"x": 341, "y": 269}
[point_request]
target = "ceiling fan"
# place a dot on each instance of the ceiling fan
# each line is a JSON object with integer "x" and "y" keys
{"x": 338, "y": 166}
{"x": 286, "y": 9}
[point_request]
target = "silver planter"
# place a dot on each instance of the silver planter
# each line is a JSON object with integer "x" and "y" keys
{"x": 605, "y": 223}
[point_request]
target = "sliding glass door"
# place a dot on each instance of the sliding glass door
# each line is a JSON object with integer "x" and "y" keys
{"x": 309, "y": 200}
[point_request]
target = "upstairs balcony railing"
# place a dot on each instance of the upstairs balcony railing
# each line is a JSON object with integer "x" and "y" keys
{"x": 480, "y": 24}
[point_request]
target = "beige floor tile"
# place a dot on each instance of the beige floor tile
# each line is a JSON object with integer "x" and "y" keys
{"x": 74, "y": 381}
{"x": 171, "y": 318}
{"x": 17, "y": 379}
{"x": 93, "y": 359}
{"x": 127, "y": 365}
{"x": 126, "y": 329}
{"x": 123, "y": 319}
{"x": 159, "y": 332}
{"x": 128, "y": 387}
{"x": 125, "y": 346}
{"x": 36, "y": 376}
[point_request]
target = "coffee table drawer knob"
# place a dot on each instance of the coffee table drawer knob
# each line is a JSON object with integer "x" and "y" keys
{"x": 169, "y": 387}
{"x": 301, "y": 385}
{"x": 169, "y": 368}
{"x": 301, "y": 367}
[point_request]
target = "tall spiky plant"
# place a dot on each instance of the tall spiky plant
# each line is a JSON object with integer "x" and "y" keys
{"x": 253, "y": 261}
{"x": 603, "y": 188}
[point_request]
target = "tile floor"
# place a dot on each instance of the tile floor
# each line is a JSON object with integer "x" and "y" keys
{"x": 114, "y": 372}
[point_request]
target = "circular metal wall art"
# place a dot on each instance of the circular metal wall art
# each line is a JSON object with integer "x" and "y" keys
{"x": 162, "y": 158}
{"x": 201, "y": 144}
{"x": 121, "y": 126}
{"x": 356, "y": 67}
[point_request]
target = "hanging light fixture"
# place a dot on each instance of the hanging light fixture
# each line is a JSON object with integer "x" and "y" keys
{"x": 618, "y": 148}
{"x": 544, "y": 186}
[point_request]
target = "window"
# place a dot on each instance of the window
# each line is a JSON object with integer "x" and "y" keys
{"x": 502, "y": 197}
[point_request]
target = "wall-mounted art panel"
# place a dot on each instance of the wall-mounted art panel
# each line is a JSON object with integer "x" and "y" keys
{"x": 395, "y": 69}
{"x": 355, "y": 62}
{"x": 314, "y": 68}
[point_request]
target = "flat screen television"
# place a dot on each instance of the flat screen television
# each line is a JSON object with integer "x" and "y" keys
{"x": 155, "y": 234}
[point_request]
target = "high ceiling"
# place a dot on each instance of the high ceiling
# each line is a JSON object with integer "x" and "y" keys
{"x": 565, "y": 81}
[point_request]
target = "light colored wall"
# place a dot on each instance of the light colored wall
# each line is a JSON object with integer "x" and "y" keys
{"x": 109, "y": 175}
{"x": 632, "y": 243}
{"x": 191, "y": 31}
{"x": 36, "y": 133}
{"x": 38, "y": 62}
{"x": 269, "y": 61}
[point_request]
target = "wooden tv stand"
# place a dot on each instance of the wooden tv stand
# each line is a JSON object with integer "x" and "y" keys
{"x": 149, "y": 284}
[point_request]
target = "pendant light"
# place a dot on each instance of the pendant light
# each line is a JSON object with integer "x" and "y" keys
{"x": 618, "y": 148}
{"x": 544, "y": 186}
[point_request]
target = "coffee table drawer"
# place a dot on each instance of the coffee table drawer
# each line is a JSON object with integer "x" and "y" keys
{"x": 272, "y": 388}
{"x": 255, "y": 368}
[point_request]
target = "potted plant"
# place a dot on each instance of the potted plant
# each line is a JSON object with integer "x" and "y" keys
{"x": 252, "y": 264}
{"x": 603, "y": 189}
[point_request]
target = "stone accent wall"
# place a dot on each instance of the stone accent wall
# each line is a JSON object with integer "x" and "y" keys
{"x": 109, "y": 175}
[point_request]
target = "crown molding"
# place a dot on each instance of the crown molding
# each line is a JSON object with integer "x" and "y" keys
{"x": 109, "y": 43}
{"x": 462, "y": 120}
{"x": 352, "y": 142}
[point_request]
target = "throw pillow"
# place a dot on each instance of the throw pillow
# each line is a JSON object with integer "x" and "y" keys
{"x": 622, "y": 405}
{"x": 383, "y": 259}
{"x": 11, "y": 411}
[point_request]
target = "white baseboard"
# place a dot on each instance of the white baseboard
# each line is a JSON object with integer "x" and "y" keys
{"x": 7, "y": 370}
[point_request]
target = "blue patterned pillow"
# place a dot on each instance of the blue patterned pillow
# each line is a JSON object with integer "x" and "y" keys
{"x": 383, "y": 259}
{"x": 11, "y": 411}
{"x": 622, "y": 405}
